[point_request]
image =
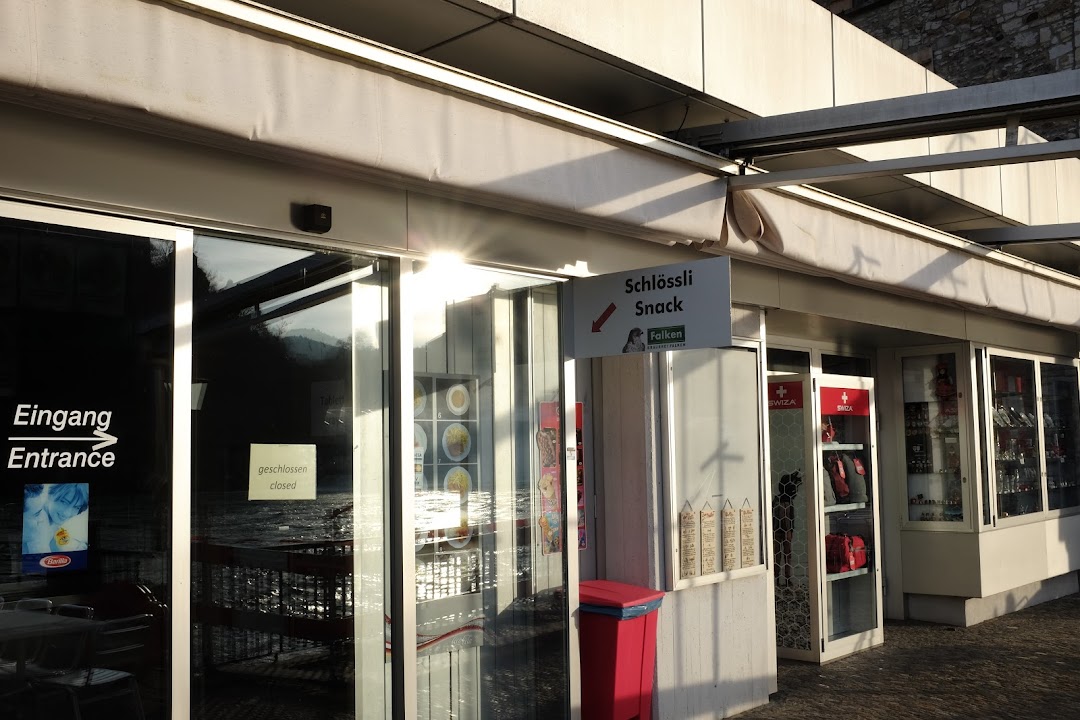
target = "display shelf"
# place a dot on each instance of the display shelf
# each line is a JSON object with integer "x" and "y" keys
{"x": 831, "y": 577}
{"x": 841, "y": 446}
{"x": 845, "y": 507}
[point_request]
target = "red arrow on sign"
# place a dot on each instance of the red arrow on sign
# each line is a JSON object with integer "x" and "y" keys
{"x": 599, "y": 322}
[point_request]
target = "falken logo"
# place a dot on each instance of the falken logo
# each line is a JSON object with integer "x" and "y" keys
{"x": 54, "y": 561}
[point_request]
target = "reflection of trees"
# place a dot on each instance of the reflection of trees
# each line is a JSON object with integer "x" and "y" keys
{"x": 259, "y": 390}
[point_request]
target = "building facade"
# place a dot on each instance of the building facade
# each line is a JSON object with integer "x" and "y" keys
{"x": 290, "y": 397}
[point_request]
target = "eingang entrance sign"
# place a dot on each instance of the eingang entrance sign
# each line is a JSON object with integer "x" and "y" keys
{"x": 674, "y": 307}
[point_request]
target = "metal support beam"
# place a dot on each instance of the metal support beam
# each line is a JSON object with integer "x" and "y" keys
{"x": 938, "y": 113}
{"x": 903, "y": 166}
{"x": 1024, "y": 234}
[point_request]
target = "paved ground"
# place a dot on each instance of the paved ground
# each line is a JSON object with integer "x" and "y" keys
{"x": 1023, "y": 665}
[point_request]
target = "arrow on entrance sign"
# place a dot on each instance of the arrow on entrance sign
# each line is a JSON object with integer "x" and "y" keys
{"x": 102, "y": 438}
{"x": 599, "y": 322}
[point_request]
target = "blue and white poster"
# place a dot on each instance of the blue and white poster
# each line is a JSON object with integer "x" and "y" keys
{"x": 56, "y": 522}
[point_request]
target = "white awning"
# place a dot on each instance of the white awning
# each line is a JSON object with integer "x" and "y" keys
{"x": 812, "y": 231}
{"x": 164, "y": 68}
{"x": 235, "y": 75}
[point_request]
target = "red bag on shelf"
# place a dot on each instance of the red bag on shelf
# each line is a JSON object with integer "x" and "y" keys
{"x": 858, "y": 552}
{"x": 838, "y": 477}
{"x": 844, "y": 552}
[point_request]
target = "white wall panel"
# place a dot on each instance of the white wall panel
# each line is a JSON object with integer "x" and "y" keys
{"x": 1012, "y": 557}
{"x": 941, "y": 563}
{"x": 1062, "y": 545}
{"x": 864, "y": 70}
{"x": 712, "y": 655}
{"x": 1029, "y": 190}
{"x": 664, "y": 37}
{"x": 1068, "y": 190}
{"x": 979, "y": 186}
{"x": 768, "y": 56}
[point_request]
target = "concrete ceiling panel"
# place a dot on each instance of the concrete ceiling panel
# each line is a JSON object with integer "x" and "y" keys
{"x": 922, "y": 205}
{"x": 979, "y": 186}
{"x": 1068, "y": 190}
{"x": 1029, "y": 191}
{"x": 662, "y": 37}
{"x": 410, "y": 25}
{"x": 865, "y": 69}
{"x": 519, "y": 58}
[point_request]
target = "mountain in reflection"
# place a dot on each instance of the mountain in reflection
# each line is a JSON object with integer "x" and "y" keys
{"x": 311, "y": 344}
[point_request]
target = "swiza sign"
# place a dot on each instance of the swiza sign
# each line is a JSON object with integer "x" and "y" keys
{"x": 675, "y": 307}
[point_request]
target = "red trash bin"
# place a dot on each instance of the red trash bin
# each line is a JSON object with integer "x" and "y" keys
{"x": 618, "y": 649}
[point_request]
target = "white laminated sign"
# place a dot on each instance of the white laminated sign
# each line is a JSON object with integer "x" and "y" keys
{"x": 282, "y": 472}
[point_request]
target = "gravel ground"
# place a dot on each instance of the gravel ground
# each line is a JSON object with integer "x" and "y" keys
{"x": 1023, "y": 665}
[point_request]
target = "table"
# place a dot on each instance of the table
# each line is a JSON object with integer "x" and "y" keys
{"x": 20, "y": 630}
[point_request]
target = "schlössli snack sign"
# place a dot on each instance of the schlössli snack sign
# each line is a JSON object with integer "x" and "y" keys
{"x": 674, "y": 307}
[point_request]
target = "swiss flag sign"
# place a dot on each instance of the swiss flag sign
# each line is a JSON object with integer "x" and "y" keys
{"x": 786, "y": 395}
{"x": 845, "y": 401}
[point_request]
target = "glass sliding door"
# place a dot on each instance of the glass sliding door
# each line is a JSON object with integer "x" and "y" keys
{"x": 489, "y": 494}
{"x": 289, "y": 483}
{"x": 87, "y": 358}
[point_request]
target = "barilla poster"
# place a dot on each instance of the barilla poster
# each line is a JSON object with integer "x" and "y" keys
{"x": 56, "y": 522}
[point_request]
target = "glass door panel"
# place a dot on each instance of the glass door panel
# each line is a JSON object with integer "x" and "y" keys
{"x": 1061, "y": 430}
{"x": 288, "y": 483}
{"x": 87, "y": 349}
{"x": 933, "y": 446}
{"x": 793, "y": 510}
{"x": 852, "y": 585}
{"x": 1016, "y": 436}
{"x": 489, "y": 483}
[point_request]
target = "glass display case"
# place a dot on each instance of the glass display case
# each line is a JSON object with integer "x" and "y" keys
{"x": 1015, "y": 440}
{"x": 1061, "y": 432}
{"x": 831, "y": 605}
{"x": 935, "y": 439}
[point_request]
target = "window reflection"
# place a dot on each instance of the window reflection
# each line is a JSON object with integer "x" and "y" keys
{"x": 489, "y": 539}
{"x": 288, "y": 482}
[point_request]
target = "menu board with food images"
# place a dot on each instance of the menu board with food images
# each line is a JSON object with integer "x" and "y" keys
{"x": 445, "y": 455}
{"x": 550, "y": 483}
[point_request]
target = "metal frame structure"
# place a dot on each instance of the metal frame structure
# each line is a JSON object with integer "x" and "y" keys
{"x": 980, "y": 107}
{"x": 1005, "y": 105}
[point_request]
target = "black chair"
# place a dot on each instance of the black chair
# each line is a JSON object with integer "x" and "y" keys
{"x": 117, "y": 652}
{"x": 58, "y": 653}
{"x": 33, "y": 605}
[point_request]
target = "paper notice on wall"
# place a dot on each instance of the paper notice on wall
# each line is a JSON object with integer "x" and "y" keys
{"x": 688, "y": 531}
{"x": 728, "y": 540}
{"x": 281, "y": 472}
{"x": 746, "y": 535}
{"x": 708, "y": 540}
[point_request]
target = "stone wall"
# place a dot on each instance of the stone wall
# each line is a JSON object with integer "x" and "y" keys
{"x": 969, "y": 42}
